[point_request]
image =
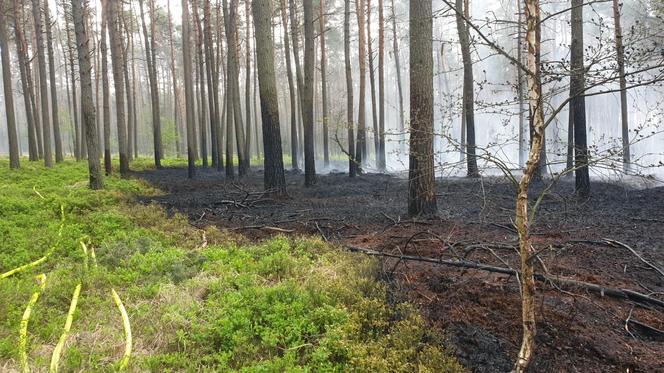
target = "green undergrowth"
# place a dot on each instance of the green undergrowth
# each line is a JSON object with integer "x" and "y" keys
{"x": 197, "y": 300}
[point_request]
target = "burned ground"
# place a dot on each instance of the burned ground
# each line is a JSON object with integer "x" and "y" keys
{"x": 480, "y": 311}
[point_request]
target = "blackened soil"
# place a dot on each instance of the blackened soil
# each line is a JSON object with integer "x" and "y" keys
{"x": 480, "y": 311}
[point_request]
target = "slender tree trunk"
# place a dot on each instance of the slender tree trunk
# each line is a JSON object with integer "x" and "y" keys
{"x": 520, "y": 87}
{"x": 323, "y": 81}
{"x": 578, "y": 102}
{"x": 176, "y": 97}
{"x": 234, "y": 87}
{"x": 57, "y": 138}
{"x": 123, "y": 25}
{"x": 72, "y": 77}
{"x": 41, "y": 61}
{"x": 352, "y": 163}
{"x": 421, "y": 182}
{"x": 295, "y": 37}
{"x": 468, "y": 83}
{"x": 12, "y": 135}
{"x": 624, "y": 113}
{"x": 106, "y": 95}
{"x": 291, "y": 89}
{"x": 213, "y": 92}
{"x": 190, "y": 106}
{"x": 533, "y": 38}
{"x": 308, "y": 95}
{"x": 24, "y": 68}
{"x": 87, "y": 104}
{"x": 247, "y": 80}
{"x": 381, "y": 88}
{"x": 117, "y": 60}
{"x": 372, "y": 80}
{"x": 274, "y": 179}
{"x": 361, "y": 145}
{"x": 152, "y": 77}
{"x": 397, "y": 65}
{"x": 201, "y": 82}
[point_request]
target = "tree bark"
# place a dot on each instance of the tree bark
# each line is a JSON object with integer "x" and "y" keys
{"x": 247, "y": 80}
{"x": 117, "y": 61}
{"x": 308, "y": 95}
{"x": 124, "y": 26}
{"x": 397, "y": 65}
{"x": 212, "y": 84}
{"x": 24, "y": 68}
{"x": 274, "y": 179}
{"x": 41, "y": 63}
{"x": 624, "y": 113}
{"x": 87, "y": 104}
{"x": 361, "y": 144}
{"x": 520, "y": 87}
{"x": 190, "y": 106}
{"x": 151, "y": 63}
{"x": 201, "y": 82}
{"x": 106, "y": 95}
{"x": 526, "y": 250}
{"x": 74, "y": 96}
{"x": 421, "y": 182}
{"x": 57, "y": 138}
{"x": 468, "y": 83}
{"x": 323, "y": 82}
{"x": 12, "y": 135}
{"x": 352, "y": 164}
{"x": 578, "y": 102}
{"x": 174, "y": 79}
{"x": 291, "y": 89}
{"x": 372, "y": 80}
{"x": 381, "y": 88}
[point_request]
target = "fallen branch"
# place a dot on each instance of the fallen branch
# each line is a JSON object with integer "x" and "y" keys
{"x": 595, "y": 288}
{"x": 618, "y": 243}
{"x": 266, "y": 227}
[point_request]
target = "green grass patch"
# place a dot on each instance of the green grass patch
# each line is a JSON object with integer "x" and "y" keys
{"x": 197, "y": 300}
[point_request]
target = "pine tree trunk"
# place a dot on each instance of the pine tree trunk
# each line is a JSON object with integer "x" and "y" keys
{"x": 87, "y": 104}
{"x": 295, "y": 38}
{"x": 152, "y": 77}
{"x": 323, "y": 82}
{"x": 174, "y": 82}
{"x": 190, "y": 106}
{"x": 123, "y": 26}
{"x": 397, "y": 65}
{"x": 12, "y": 135}
{"x": 233, "y": 77}
{"x": 72, "y": 77}
{"x": 361, "y": 144}
{"x": 372, "y": 80}
{"x": 381, "y": 88}
{"x": 624, "y": 113}
{"x": 308, "y": 95}
{"x": 106, "y": 96}
{"x": 41, "y": 61}
{"x": 274, "y": 179}
{"x": 578, "y": 102}
{"x": 291, "y": 89}
{"x": 247, "y": 80}
{"x": 24, "y": 68}
{"x": 352, "y": 163}
{"x": 57, "y": 138}
{"x": 117, "y": 61}
{"x": 468, "y": 83}
{"x": 211, "y": 82}
{"x": 421, "y": 182}
{"x": 201, "y": 83}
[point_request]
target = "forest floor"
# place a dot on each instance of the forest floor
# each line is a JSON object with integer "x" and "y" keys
{"x": 480, "y": 311}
